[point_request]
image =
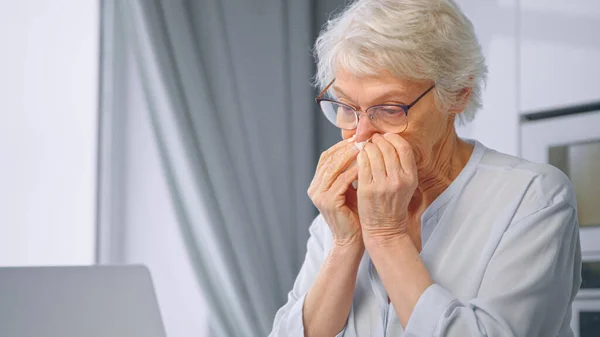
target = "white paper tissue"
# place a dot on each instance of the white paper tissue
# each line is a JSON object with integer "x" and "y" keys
{"x": 360, "y": 145}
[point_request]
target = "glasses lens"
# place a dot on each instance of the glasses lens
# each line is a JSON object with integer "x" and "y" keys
{"x": 339, "y": 115}
{"x": 389, "y": 118}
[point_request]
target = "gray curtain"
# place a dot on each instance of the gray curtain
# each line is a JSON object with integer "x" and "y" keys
{"x": 227, "y": 84}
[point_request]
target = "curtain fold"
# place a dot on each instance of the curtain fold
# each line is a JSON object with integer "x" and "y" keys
{"x": 228, "y": 89}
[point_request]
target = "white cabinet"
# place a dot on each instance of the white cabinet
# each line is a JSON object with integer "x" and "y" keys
{"x": 572, "y": 143}
{"x": 559, "y": 53}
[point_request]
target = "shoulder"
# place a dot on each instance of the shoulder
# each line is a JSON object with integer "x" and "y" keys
{"x": 536, "y": 185}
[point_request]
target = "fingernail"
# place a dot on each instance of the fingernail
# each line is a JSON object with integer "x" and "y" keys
{"x": 351, "y": 139}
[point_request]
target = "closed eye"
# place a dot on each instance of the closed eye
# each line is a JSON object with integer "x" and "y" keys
{"x": 345, "y": 109}
{"x": 391, "y": 110}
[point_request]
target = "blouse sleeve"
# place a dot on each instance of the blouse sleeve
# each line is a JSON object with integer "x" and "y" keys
{"x": 288, "y": 320}
{"x": 527, "y": 289}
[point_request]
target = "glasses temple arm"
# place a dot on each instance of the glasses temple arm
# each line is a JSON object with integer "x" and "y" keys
{"x": 324, "y": 90}
{"x": 418, "y": 98}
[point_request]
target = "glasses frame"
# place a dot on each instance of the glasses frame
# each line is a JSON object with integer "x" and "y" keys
{"x": 404, "y": 107}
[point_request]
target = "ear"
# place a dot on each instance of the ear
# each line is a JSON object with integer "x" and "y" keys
{"x": 461, "y": 103}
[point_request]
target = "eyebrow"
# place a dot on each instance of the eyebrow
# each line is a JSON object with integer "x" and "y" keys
{"x": 400, "y": 96}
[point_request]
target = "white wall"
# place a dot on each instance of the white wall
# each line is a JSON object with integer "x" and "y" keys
{"x": 48, "y": 113}
{"x": 497, "y": 124}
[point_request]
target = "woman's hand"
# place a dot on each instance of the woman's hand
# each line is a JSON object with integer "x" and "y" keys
{"x": 387, "y": 179}
{"x": 330, "y": 192}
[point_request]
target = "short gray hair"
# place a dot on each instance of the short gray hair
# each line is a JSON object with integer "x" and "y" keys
{"x": 412, "y": 39}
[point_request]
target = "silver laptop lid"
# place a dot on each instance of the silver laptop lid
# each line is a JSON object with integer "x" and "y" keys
{"x": 94, "y": 301}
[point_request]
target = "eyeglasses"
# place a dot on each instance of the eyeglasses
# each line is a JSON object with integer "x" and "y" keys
{"x": 391, "y": 118}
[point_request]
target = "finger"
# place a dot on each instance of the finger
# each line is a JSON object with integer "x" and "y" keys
{"x": 390, "y": 155}
{"x": 337, "y": 165}
{"x": 405, "y": 152}
{"x": 331, "y": 152}
{"x": 343, "y": 182}
{"x": 327, "y": 157}
{"x": 364, "y": 169}
{"x": 376, "y": 161}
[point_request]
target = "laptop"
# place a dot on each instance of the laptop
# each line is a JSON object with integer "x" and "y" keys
{"x": 93, "y": 301}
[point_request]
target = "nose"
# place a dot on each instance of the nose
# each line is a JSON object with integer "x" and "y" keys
{"x": 365, "y": 128}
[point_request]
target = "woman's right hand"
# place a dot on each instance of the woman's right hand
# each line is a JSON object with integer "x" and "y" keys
{"x": 331, "y": 192}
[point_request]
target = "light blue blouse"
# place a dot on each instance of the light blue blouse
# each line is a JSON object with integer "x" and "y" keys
{"x": 501, "y": 243}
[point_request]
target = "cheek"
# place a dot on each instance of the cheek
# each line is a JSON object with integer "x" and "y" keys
{"x": 423, "y": 135}
{"x": 415, "y": 139}
{"x": 427, "y": 127}
{"x": 348, "y": 133}
{"x": 420, "y": 138}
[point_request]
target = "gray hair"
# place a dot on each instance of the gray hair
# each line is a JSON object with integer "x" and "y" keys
{"x": 412, "y": 39}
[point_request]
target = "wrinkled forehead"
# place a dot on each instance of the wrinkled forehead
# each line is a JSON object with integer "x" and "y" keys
{"x": 371, "y": 88}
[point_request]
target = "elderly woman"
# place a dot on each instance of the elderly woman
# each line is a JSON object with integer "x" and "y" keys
{"x": 442, "y": 236}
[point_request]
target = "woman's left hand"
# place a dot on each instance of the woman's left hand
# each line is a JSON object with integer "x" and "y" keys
{"x": 387, "y": 179}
